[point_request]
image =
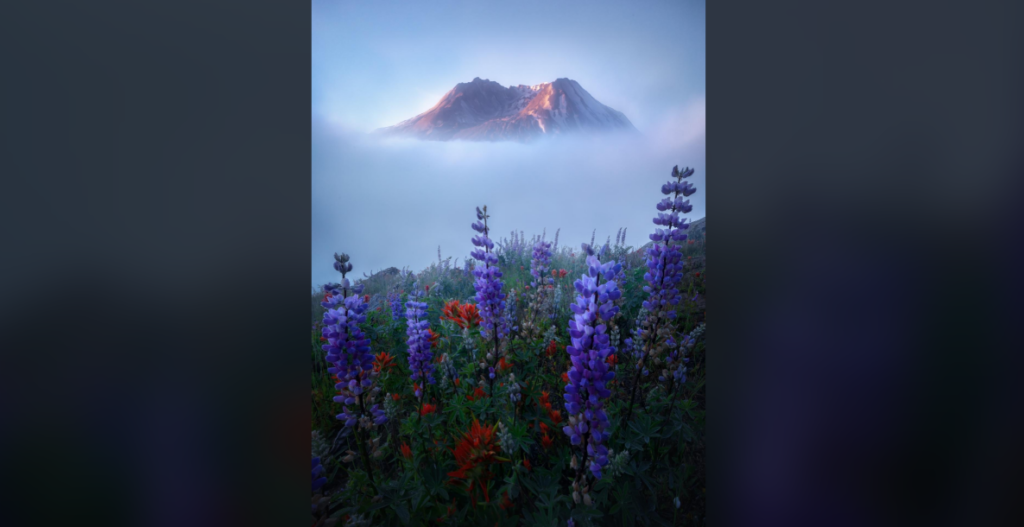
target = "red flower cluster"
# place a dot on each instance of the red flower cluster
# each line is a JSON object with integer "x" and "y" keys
{"x": 474, "y": 455}
{"x": 551, "y": 349}
{"x": 406, "y": 451}
{"x": 433, "y": 341}
{"x": 612, "y": 359}
{"x": 477, "y": 394}
{"x": 384, "y": 362}
{"x": 428, "y": 409}
{"x": 559, "y": 273}
{"x": 464, "y": 315}
{"x": 504, "y": 366}
{"x": 554, "y": 415}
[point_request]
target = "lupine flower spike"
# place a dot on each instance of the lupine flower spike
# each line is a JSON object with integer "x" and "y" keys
{"x": 665, "y": 271}
{"x": 348, "y": 350}
{"x": 589, "y": 350}
{"x": 490, "y": 299}
{"x": 420, "y": 356}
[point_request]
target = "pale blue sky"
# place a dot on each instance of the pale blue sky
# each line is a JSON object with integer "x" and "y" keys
{"x": 377, "y": 63}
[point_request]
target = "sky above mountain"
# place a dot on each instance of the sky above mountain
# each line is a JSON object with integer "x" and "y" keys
{"x": 375, "y": 64}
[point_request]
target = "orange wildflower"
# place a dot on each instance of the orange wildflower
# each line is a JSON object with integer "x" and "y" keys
{"x": 556, "y": 416}
{"x": 406, "y": 451}
{"x": 428, "y": 409}
{"x": 526, "y": 463}
{"x": 565, "y": 377}
{"x": 473, "y": 455}
{"x": 433, "y": 338}
{"x": 546, "y": 441}
{"x": 396, "y": 396}
{"x": 503, "y": 366}
{"x": 384, "y": 362}
{"x": 612, "y": 359}
{"x": 544, "y": 428}
{"x": 464, "y": 315}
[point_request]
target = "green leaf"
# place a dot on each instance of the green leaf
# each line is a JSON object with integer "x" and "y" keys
{"x": 403, "y": 514}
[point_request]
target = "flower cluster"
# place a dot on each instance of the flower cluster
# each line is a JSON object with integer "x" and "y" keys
{"x": 490, "y": 299}
{"x": 474, "y": 455}
{"x": 383, "y": 362}
{"x": 348, "y": 349}
{"x": 554, "y": 415}
{"x": 395, "y": 301}
{"x": 665, "y": 268}
{"x": 514, "y": 389}
{"x": 664, "y": 272}
{"x": 675, "y": 361}
{"x": 539, "y": 264}
{"x": 589, "y": 372}
{"x": 505, "y": 439}
{"x": 463, "y": 315}
{"x": 420, "y": 356}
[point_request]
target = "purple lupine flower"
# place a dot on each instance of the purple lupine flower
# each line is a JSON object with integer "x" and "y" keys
{"x": 664, "y": 258}
{"x": 540, "y": 264}
{"x": 489, "y": 298}
{"x": 420, "y": 357}
{"x": 348, "y": 349}
{"x": 317, "y": 469}
{"x": 588, "y": 351}
{"x": 395, "y": 301}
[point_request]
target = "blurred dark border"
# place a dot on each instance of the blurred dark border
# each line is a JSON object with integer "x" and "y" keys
{"x": 156, "y": 209}
{"x": 864, "y": 252}
{"x": 865, "y": 259}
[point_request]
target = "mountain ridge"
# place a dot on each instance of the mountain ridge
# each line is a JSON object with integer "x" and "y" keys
{"x": 484, "y": 110}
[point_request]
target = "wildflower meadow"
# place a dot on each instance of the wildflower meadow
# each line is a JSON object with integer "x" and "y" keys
{"x": 534, "y": 384}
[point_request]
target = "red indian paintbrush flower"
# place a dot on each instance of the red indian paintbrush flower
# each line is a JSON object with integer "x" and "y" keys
{"x": 544, "y": 400}
{"x": 477, "y": 394}
{"x": 546, "y": 441}
{"x": 433, "y": 338}
{"x": 474, "y": 455}
{"x": 450, "y": 311}
{"x": 428, "y": 409}
{"x": 406, "y": 451}
{"x": 552, "y": 349}
{"x": 464, "y": 315}
{"x": 384, "y": 362}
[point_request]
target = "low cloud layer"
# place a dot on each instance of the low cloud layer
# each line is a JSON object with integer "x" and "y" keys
{"x": 393, "y": 202}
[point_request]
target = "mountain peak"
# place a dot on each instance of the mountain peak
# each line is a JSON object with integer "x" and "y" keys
{"x": 483, "y": 110}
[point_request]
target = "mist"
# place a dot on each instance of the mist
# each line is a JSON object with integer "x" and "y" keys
{"x": 391, "y": 202}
